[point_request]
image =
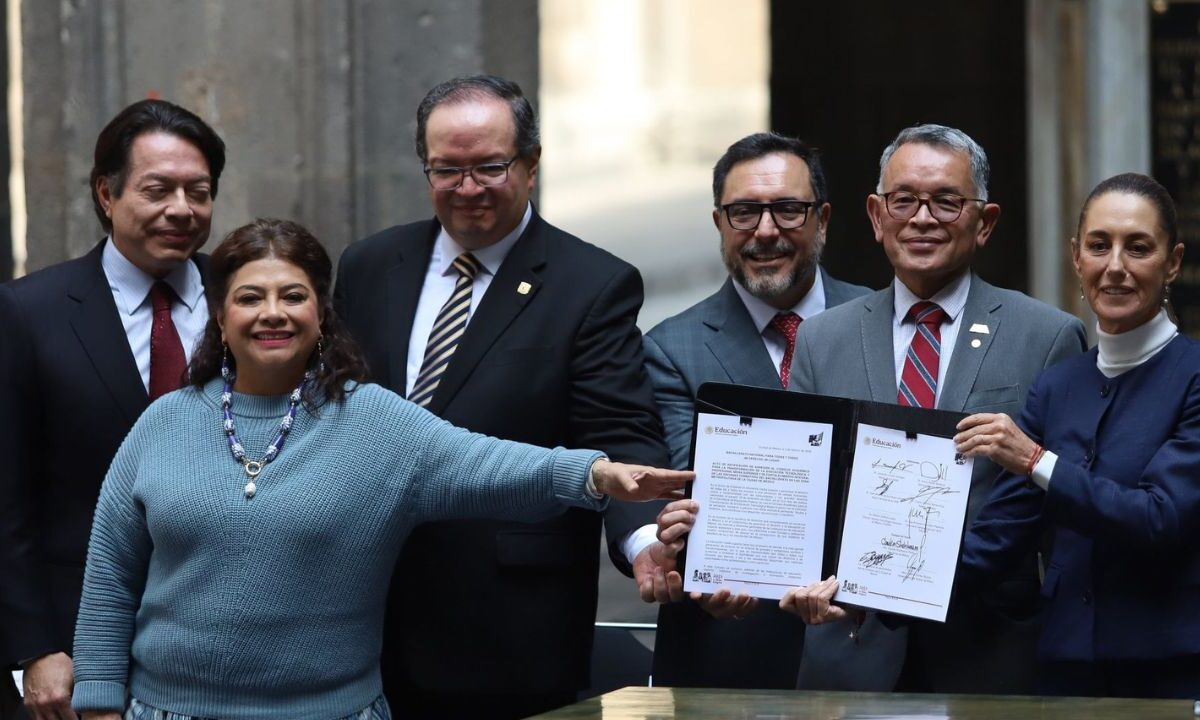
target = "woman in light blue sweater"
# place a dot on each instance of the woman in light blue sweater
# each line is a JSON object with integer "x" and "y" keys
{"x": 246, "y": 530}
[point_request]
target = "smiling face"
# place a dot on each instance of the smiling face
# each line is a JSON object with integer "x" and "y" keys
{"x": 271, "y": 322}
{"x": 926, "y": 253}
{"x": 775, "y": 265}
{"x": 472, "y": 132}
{"x": 163, "y": 213}
{"x": 1123, "y": 260}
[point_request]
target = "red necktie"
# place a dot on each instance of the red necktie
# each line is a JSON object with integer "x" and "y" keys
{"x": 786, "y": 324}
{"x": 167, "y": 361}
{"x": 919, "y": 378}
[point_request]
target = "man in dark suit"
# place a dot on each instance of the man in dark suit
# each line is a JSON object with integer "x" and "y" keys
{"x": 931, "y": 214}
{"x": 89, "y": 343}
{"x": 501, "y": 323}
{"x": 771, "y": 210}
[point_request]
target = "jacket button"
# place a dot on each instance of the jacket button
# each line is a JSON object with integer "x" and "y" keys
{"x": 1104, "y": 391}
{"x": 1087, "y": 597}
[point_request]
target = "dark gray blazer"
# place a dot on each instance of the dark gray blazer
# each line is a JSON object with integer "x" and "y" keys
{"x": 988, "y": 644}
{"x": 716, "y": 341}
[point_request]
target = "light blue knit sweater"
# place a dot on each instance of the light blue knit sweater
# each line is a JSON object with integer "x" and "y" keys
{"x": 200, "y": 601}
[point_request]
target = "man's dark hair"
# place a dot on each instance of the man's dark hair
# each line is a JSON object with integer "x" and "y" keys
{"x": 759, "y": 145}
{"x": 477, "y": 87}
{"x": 147, "y": 116}
{"x": 1143, "y": 186}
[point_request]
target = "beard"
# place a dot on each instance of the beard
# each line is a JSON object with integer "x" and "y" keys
{"x": 771, "y": 284}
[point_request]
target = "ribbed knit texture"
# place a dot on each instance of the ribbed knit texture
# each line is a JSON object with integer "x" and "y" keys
{"x": 273, "y": 607}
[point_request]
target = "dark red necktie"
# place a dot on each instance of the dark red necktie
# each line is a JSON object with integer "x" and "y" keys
{"x": 786, "y": 325}
{"x": 167, "y": 361}
{"x": 919, "y": 378}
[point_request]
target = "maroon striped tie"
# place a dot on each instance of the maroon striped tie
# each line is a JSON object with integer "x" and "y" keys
{"x": 919, "y": 378}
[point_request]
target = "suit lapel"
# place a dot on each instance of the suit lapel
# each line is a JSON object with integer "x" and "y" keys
{"x": 736, "y": 344}
{"x": 98, "y": 326}
{"x": 878, "y": 354}
{"x": 980, "y": 309}
{"x": 404, "y": 281}
{"x": 500, "y": 305}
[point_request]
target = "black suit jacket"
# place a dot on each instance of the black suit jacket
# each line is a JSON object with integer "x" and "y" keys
{"x": 69, "y": 392}
{"x": 502, "y": 607}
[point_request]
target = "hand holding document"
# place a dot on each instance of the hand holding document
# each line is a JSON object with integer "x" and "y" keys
{"x": 796, "y": 488}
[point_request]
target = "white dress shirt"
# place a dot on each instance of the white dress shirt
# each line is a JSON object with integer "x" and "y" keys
{"x": 130, "y": 288}
{"x": 440, "y": 278}
{"x": 761, "y": 314}
{"x": 951, "y": 299}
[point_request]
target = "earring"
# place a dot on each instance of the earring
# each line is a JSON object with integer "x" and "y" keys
{"x": 1166, "y": 295}
{"x": 1082, "y": 299}
{"x": 225, "y": 371}
{"x": 320, "y": 355}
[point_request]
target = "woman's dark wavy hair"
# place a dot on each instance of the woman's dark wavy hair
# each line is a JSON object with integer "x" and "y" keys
{"x": 290, "y": 242}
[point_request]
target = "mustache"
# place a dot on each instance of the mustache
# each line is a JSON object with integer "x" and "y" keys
{"x": 780, "y": 246}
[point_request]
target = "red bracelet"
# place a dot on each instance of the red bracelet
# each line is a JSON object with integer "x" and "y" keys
{"x": 1038, "y": 452}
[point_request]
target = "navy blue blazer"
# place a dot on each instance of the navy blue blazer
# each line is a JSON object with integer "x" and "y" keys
{"x": 1123, "y": 507}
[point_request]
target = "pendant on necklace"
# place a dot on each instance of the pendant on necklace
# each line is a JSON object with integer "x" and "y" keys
{"x": 253, "y": 468}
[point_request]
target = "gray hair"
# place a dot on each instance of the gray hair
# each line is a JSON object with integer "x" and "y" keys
{"x": 947, "y": 137}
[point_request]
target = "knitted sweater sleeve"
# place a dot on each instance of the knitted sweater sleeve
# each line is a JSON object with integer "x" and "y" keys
{"x": 461, "y": 474}
{"x": 118, "y": 555}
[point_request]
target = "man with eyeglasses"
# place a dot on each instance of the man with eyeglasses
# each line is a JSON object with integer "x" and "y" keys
{"x": 772, "y": 213}
{"x": 938, "y": 336}
{"x": 498, "y": 322}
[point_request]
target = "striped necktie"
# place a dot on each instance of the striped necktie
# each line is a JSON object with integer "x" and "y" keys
{"x": 448, "y": 329}
{"x": 919, "y": 378}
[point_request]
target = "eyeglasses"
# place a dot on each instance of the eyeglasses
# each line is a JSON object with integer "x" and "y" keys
{"x": 786, "y": 214}
{"x": 486, "y": 175}
{"x": 944, "y": 207}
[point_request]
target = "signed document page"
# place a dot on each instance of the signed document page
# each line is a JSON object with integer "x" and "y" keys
{"x": 905, "y": 509}
{"x": 763, "y": 488}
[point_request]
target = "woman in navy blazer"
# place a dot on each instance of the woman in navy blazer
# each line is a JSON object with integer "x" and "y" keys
{"x": 1105, "y": 461}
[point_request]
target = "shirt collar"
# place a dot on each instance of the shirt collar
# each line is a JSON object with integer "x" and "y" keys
{"x": 951, "y": 299}
{"x": 133, "y": 284}
{"x": 761, "y": 312}
{"x": 446, "y": 248}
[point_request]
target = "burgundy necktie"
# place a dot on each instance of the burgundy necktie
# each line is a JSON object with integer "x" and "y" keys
{"x": 919, "y": 378}
{"x": 786, "y": 324}
{"x": 167, "y": 361}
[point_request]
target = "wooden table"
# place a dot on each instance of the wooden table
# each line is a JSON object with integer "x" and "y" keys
{"x": 639, "y": 703}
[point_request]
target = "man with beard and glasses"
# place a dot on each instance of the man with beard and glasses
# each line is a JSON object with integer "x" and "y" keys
{"x": 769, "y": 193}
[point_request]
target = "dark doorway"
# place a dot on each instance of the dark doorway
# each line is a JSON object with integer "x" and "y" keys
{"x": 848, "y": 76}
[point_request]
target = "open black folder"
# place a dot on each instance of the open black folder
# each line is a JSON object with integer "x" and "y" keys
{"x": 844, "y": 416}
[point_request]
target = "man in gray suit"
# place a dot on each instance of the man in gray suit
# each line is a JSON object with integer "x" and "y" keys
{"x": 771, "y": 211}
{"x": 931, "y": 214}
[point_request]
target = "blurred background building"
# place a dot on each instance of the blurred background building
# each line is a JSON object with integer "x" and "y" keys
{"x": 638, "y": 98}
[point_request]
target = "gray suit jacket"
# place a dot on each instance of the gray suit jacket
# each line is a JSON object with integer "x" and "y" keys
{"x": 716, "y": 341}
{"x": 988, "y": 643}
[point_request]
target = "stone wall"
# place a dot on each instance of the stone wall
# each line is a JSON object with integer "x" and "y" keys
{"x": 315, "y": 100}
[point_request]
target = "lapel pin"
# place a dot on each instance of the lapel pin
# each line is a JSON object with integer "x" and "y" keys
{"x": 524, "y": 288}
{"x": 976, "y": 343}
{"x": 981, "y": 329}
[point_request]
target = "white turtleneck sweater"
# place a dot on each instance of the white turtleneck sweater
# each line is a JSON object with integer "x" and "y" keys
{"x": 1116, "y": 354}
